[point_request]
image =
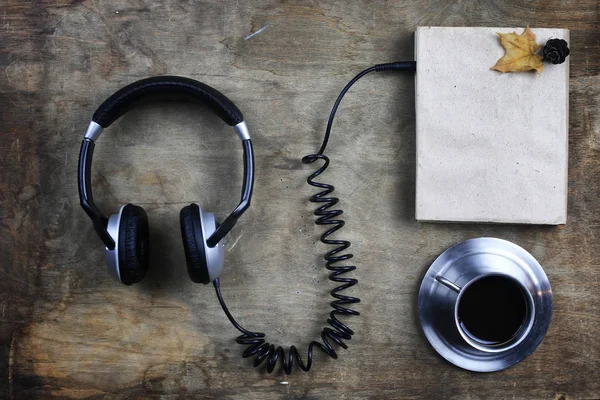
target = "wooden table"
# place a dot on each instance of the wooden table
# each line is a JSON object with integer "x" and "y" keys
{"x": 68, "y": 331}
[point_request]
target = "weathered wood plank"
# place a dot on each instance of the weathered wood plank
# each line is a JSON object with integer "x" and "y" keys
{"x": 67, "y": 330}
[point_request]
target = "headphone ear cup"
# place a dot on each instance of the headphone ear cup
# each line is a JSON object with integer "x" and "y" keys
{"x": 134, "y": 244}
{"x": 193, "y": 244}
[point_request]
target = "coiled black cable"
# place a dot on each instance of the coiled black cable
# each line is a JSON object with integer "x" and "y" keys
{"x": 337, "y": 331}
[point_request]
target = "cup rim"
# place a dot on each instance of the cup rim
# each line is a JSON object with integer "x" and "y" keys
{"x": 517, "y": 337}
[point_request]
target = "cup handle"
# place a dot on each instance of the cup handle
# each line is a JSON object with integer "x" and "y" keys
{"x": 448, "y": 283}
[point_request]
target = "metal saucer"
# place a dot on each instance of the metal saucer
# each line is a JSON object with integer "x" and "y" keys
{"x": 457, "y": 268}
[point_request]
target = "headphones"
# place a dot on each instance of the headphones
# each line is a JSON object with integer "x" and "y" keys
{"x": 125, "y": 235}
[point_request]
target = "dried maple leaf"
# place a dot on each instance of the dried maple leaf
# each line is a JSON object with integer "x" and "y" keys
{"x": 520, "y": 53}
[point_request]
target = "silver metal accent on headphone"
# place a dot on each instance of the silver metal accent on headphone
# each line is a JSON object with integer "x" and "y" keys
{"x": 112, "y": 256}
{"x": 93, "y": 131}
{"x": 242, "y": 130}
{"x": 451, "y": 275}
{"x": 215, "y": 256}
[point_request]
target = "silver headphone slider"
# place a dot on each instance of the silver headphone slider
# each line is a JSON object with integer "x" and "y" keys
{"x": 93, "y": 131}
{"x": 242, "y": 131}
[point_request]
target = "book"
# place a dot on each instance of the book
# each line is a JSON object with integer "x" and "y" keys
{"x": 492, "y": 147}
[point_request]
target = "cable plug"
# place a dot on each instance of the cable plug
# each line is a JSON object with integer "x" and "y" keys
{"x": 397, "y": 66}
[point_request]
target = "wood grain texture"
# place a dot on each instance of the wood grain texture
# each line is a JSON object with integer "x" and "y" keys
{"x": 68, "y": 331}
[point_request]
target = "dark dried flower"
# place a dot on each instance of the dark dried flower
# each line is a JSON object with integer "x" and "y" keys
{"x": 556, "y": 51}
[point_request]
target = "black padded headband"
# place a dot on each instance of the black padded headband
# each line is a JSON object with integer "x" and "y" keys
{"x": 156, "y": 89}
{"x": 166, "y": 88}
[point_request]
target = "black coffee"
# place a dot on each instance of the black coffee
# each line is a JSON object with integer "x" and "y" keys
{"x": 492, "y": 310}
